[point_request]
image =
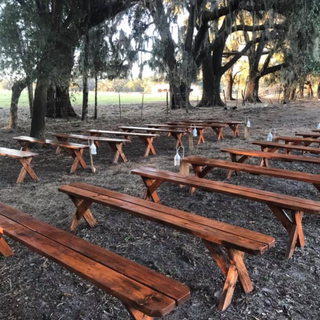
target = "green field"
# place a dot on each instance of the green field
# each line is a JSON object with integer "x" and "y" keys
{"x": 103, "y": 98}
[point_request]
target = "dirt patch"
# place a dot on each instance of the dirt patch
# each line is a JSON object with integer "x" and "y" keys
{"x": 33, "y": 287}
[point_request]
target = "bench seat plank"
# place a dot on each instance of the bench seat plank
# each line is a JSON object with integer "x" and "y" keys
{"x": 25, "y": 159}
{"x": 297, "y": 140}
{"x": 74, "y": 149}
{"x": 227, "y": 244}
{"x": 246, "y": 154}
{"x": 277, "y": 203}
{"x": 182, "y": 221}
{"x": 146, "y": 138}
{"x": 12, "y": 153}
{"x": 135, "y": 285}
{"x": 115, "y": 144}
{"x": 202, "y": 166}
{"x": 274, "y": 146}
{"x": 175, "y": 133}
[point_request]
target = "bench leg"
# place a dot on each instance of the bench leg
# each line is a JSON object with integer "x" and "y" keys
{"x": 177, "y": 136}
{"x": 4, "y": 248}
{"x": 235, "y": 129}
{"x": 149, "y": 146}
{"x": 58, "y": 150}
{"x": 218, "y": 132}
{"x": 317, "y": 186}
{"x": 82, "y": 211}
{"x": 118, "y": 153}
{"x": 77, "y": 156}
{"x": 97, "y": 144}
{"x": 136, "y": 314}
{"x": 151, "y": 187}
{"x": 293, "y": 227}
{"x": 200, "y": 136}
{"x": 26, "y": 169}
{"x": 232, "y": 266}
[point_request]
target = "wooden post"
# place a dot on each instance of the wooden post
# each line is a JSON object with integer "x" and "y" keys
{"x": 142, "y": 104}
{"x": 225, "y": 99}
{"x": 167, "y": 100}
{"x": 120, "y": 109}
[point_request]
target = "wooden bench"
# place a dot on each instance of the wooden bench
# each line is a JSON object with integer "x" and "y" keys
{"x": 216, "y": 127}
{"x": 202, "y": 166}
{"x": 227, "y": 244}
{"x": 298, "y": 141}
{"x": 274, "y": 147}
{"x": 25, "y": 158}
{"x": 264, "y": 156}
{"x": 114, "y": 144}
{"x": 74, "y": 149}
{"x": 233, "y": 125}
{"x": 145, "y": 293}
{"x": 278, "y": 203}
{"x": 175, "y": 133}
{"x": 185, "y": 126}
{"x": 146, "y": 138}
{"x": 312, "y": 135}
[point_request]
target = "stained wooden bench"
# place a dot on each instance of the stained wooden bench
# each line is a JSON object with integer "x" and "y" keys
{"x": 245, "y": 154}
{"x": 274, "y": 147}
{"x": 24, "y": 158}
{"x": 312, "y": 135}
{"x": 226, "y": 243}
{"x": 175, "y": 133}
{"x": 233, "y": 125}
{"x": 145, "y": 293}
{"x": 297, "y": 141}
{"x": 278, "y": 203}
{"x": 146, "y": 138}
{"x": 74, "y": 149}
{"x": 114, "y": 144}
{"x": 216, "y": 127}
{"x": 202, "y": 166}
{"x": 187, "y": 127}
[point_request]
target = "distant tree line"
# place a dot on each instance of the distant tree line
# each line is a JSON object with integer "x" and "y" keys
{"x": 52, "y": 42}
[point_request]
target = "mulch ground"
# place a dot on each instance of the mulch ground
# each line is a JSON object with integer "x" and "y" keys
{"x": 33, "y": 287}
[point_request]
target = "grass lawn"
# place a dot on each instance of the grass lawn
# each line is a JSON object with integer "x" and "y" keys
{"x": 104, "y": 98}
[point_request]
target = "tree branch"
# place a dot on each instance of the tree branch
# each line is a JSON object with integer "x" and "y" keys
{"x": 239, "y": 55}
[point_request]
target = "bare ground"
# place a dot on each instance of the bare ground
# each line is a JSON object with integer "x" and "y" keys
{"x": 33, "y": 287}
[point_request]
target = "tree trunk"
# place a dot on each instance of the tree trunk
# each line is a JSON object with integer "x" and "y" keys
{"x": 30, "y": 96}
{"x": 16, "y": 92}
{"x": 211, "y": 85}
{"x": 318, "y": 91}
{"x": 301, "y": 89}
{"x": 61, "y": 106}
{"x": 39, "y": 109}
{"x": 252, "y": 89}
{"x": 179, "y": 96}
{"x": 85, "y": 64}
{"x": 96, "y": 96}
{"x": 230, "y": 80}
{"x": 293, "y": 93}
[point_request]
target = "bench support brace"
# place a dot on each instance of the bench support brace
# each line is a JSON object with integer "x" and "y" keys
{"x": 293, "y": 226}
{"x": 117, "y": 149}
{"x": 218, "y": 132}
{"x": 148, "y": 144}
{"x": 26, "y": 169}
{"x": 151, "y": 187}
{"x": 5, "y": 250}
{"x": 82, "y": 211}
{"x": 177, "y": 136}
{"x": 235, "y": 129}
{"x": 230, "y": 262}
{"x": 136, "y": 314}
